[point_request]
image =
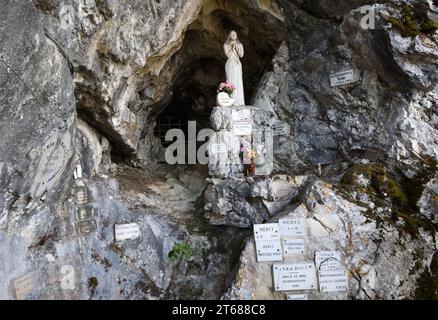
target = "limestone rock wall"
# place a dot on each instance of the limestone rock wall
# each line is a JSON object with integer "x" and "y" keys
{"x": 85, "y": 80}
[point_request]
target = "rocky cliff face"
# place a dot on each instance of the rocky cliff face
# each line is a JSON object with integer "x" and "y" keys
{"x": 91, "y": 81}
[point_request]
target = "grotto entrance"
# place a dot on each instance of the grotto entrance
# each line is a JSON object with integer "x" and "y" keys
{"x": 195, "y": 71}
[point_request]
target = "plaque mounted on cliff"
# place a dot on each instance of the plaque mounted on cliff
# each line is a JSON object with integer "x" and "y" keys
{"x": 333, "y": 280}
{"x": 281, "y": 129}
{"x": 269, "y": 250}
{"x": 293, "y": 247}
{"x": 268, "y": 231}
{"x": 290, "y": 277}
{"x": 292, "y": 227}
{"x": 81, "y": 195}
{"x": 343, "y": 77}
{"x": 50, "y": 161}
{"x": 328, "y": 260}
{"x": 128, "y": 231}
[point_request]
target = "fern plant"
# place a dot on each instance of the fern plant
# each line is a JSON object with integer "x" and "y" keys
{"x": 181, "y": 251}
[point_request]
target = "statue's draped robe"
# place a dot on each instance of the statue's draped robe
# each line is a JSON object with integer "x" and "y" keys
{"x": 233, "y": 70}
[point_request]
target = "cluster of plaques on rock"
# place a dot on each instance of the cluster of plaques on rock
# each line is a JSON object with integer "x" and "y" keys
{"x": 85, "y": 222}
{"x": 276, "y": 242}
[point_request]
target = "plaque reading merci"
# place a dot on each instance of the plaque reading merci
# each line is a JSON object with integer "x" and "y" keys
{"x": 267, "y": 231}
{"x": 292, "y": 227}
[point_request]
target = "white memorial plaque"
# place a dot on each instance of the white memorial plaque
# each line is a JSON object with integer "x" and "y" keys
{"x": 290, "y": 277}
{"x": 241, "y": 115}
{"x": 268, "y": 250}
{"x": 127, "y": 231}
{"x": 297, "y": 297}
{"x": 328, "y": 260}
{"x": 217, "y": 148}
{"x": 23, "y": 286}
{"x": 268, "y": 231}
{"x": 280, "y": 129}
{"x": 242, "y": 128}
{"x": 293, "y": 246}
{"x": 224, "y": 100}
{"x": 333, "y": 281}
{"x": 342, "y": 77}
{"x": 292, "y": 227}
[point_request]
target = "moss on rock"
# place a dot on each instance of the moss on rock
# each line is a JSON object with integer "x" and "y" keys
{"x": 394, "y": 191}
{"x": 413, "y": 21}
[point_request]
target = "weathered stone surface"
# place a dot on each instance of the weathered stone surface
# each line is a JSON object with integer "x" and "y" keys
{"x": 428, "y": 202}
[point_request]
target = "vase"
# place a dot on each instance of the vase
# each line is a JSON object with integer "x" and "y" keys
{"x": 250, "y": 169}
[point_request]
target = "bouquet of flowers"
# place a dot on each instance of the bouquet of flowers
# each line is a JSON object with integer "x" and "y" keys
{"x": 248, "y": 154}
{"x": 227, "y": 87}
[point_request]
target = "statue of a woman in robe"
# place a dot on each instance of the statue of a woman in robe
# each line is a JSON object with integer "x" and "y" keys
{"x": 234, "y": 50}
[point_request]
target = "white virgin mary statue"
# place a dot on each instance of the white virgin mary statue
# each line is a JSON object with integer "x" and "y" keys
{"x": 233, "y": 68}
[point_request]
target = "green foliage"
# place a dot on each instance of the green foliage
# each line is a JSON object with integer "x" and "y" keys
{"x": 429, "y": 26}
{"x": 413, "y": 21}
{"x": 181, "y": 251}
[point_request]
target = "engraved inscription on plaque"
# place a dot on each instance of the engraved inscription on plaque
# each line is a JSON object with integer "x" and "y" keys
{"x": 343, "y": 77}
{"x": 292, "y": 227}
{"x": 293, "y": 246}
{"x": 328, "y": 260}
{"x": 81, "y": 196}
{"x": 269, "y": 250}
{"x": 268, "y": 231}
{"x": 50, "y": 166}
{"x": 290, "y": 277}
{"x": 333, "y": 280}
{"x": 224, "y": 100}
{"x": 281, "y": 129}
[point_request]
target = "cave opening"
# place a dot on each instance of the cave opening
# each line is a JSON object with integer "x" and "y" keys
{"x": 198, "y": 67}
